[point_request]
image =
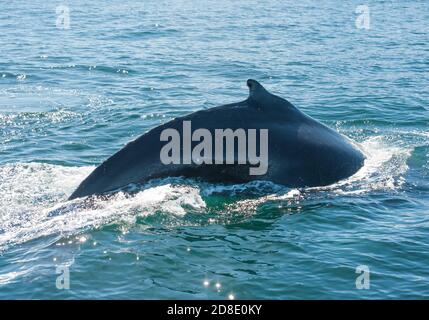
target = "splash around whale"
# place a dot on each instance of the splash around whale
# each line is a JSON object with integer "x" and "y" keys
{"x": 292, "y": 148}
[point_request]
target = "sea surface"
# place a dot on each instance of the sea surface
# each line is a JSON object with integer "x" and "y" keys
{"x": 73, "y": 91}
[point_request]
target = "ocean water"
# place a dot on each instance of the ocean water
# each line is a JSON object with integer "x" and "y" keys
{"x": 71, "y": 97}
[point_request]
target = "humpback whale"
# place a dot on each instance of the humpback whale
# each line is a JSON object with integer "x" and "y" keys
{"x": 275, "y": 139}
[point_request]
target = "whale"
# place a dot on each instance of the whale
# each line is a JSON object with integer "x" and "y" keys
{"x": 269, "y": 139}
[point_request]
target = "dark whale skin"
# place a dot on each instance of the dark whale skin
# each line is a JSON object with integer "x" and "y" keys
{"x": 302, "y": 152}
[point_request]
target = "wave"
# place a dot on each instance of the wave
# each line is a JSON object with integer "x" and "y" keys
{"x": 33, "y": 196}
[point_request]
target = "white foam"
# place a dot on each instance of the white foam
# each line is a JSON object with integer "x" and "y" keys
{"x": 384, "y": 167}
{"x": 33, "y": 202}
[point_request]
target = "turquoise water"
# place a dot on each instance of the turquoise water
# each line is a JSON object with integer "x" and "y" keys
{"x": 69, "y": 98}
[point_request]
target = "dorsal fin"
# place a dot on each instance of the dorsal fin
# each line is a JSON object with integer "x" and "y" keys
{"x": 256, "y": 90}
{"x": 261, "y": 98}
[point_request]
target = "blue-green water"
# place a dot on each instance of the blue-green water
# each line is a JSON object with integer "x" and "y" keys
{"x": 70, "y": 98}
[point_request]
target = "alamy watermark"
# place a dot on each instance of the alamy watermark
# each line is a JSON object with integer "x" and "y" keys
{"x": 363, "y": 280}
{"x": 63, "y": 280}
{"x": 363, "y": 20}
{"x": 63, "y": 17}
{"x": 178, "y": 150}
